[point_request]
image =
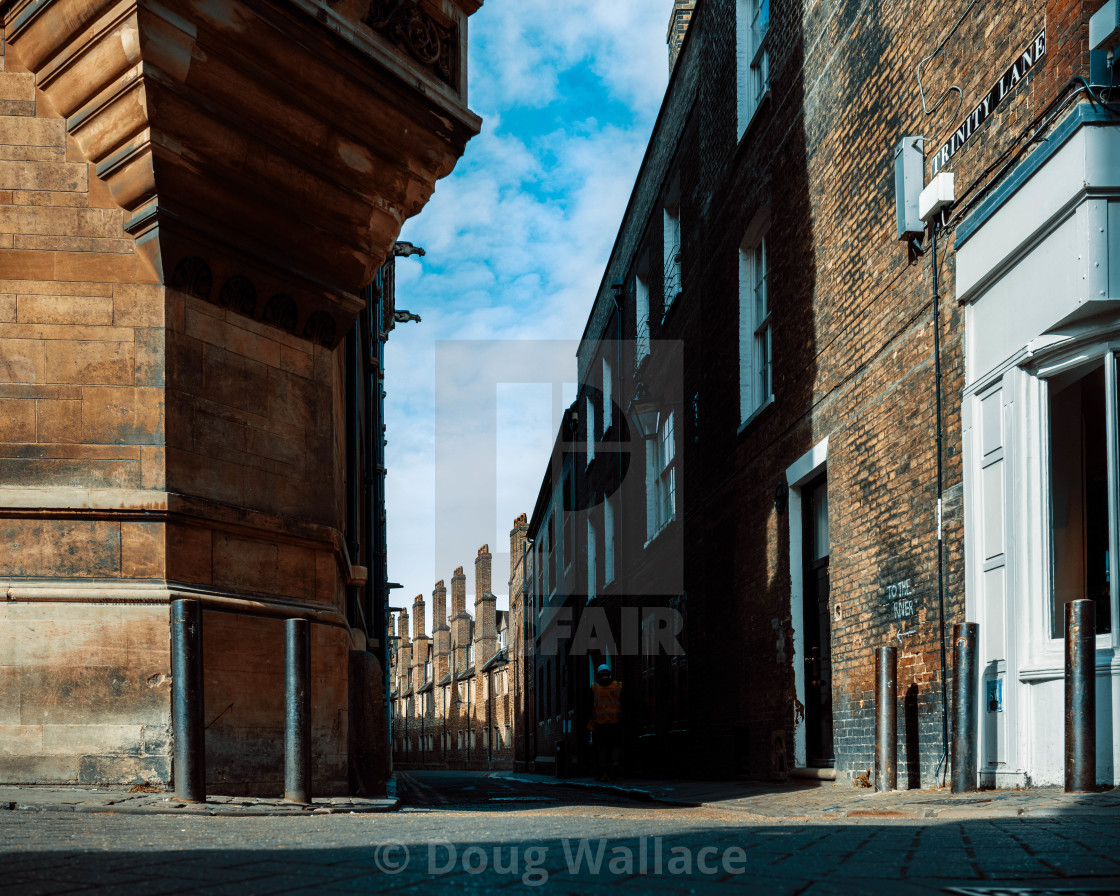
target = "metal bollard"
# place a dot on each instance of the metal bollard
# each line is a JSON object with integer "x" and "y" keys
{"x": 187, "y": 701}
{"x": 966, "y": 636}
{"x": 1081, "y": 696}
{"x": 886, "y": 719}
{"x": 297, "y": 711}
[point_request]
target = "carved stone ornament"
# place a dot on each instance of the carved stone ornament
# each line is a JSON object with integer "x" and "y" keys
{"x": 408, "y": 26}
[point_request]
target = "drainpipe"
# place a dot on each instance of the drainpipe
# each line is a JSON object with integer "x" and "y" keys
{"x": 940, "y": 486}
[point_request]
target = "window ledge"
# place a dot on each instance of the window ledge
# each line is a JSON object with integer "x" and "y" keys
{"x": 658, "y": 533}
{"x": 673, "y": 303}
{"x": 1107, "y": 662}
{"x": 755, "y": 414}
{"x": 753, "y": 118}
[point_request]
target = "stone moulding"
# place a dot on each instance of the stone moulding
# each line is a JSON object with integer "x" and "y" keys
{"x": 414, "y": 29}
{"x": 52, "y": 505}
{"x": 282, "y": 143}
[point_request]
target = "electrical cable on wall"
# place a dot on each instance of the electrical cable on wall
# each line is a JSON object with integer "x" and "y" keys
{"x": 952, "y": 88}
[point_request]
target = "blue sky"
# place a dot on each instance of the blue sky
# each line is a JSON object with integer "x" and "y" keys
{"x": 516, "y": 238}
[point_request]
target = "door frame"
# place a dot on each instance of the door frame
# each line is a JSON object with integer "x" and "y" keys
{"x": 805, "y": 469}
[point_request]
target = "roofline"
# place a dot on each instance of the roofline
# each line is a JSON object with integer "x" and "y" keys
{"x": 673, "y": 76}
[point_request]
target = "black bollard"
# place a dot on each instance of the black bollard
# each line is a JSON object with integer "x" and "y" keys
{"x": 297, "y": 711}
{"x": 966, "y": 636}
{"x": 886, "y": 719}
{"x": 1081, "y": 696}
{"x": 187, "y": 701}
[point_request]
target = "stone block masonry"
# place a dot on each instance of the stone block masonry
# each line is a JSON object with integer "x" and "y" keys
{"x": 174, "y": 398}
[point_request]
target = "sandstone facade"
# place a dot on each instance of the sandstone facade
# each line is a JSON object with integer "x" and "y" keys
{"x": 193, "y": 291}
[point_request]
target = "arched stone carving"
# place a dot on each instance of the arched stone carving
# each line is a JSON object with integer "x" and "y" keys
{"x": 192, "y": 275}
{"x": 281, "y": 312}
{"x": 320, "y": 328}
{"x": 239, "y": 294}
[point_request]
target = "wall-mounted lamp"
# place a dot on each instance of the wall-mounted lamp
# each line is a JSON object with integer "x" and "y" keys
{"x": 643, "y": 410}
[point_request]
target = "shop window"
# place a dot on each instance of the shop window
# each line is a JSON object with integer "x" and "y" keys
{"x": 1079, "y": 511}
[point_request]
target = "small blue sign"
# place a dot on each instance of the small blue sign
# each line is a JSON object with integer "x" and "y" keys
{"x": 995, "y": 695}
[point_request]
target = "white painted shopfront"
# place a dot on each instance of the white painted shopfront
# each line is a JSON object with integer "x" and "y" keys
{"x": 1038, "y": 268}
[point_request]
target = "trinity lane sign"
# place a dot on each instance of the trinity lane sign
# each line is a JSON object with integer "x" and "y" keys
{"x": 1026, "y": 60}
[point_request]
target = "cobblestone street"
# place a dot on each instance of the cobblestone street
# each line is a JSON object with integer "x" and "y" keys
{"x": 469, "y": 831}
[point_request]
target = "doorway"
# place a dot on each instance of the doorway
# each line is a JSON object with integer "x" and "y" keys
{"x": 816, "y": 626}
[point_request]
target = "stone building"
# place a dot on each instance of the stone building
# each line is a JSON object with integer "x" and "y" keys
{"x": 844, "y": 445}
{"x": 456, "y": 697}
{"x": 199, "y": 208}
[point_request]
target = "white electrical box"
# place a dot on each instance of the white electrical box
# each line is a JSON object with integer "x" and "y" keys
{"x": 1104, "y": 27}
{"x": 908, "y": 164}
{"x": 1104, "y": 42}
{"x": 938, "y": 194}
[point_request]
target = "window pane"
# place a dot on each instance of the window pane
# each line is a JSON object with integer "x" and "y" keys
{"x": 761, "y": 303}
{"x": 1079, "y": 497}
{"x": 762, "y": 349}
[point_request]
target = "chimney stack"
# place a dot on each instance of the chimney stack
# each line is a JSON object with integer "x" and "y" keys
{"x": 420, "y": 641}
{"x": 518, "y": 536}
{"x": 678, "y": 27}
{"x": 486, "y": 637}
{"x": 460, "y": 621}
{"x": 441, "y": 634}
{"x": 404, "y": 653}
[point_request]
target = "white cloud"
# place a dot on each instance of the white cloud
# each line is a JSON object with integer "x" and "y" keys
{"x": 517, "y": 239}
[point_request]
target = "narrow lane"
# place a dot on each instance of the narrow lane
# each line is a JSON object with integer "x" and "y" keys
{"x": 482, "y": 791}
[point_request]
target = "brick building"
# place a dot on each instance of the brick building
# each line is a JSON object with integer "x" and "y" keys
{"x": 759, "y": 395}
{"x": 199, "y": 208}
{"x": 455, "y": 696}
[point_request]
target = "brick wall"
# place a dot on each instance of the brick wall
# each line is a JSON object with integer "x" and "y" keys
{"x": 853, "y": 355}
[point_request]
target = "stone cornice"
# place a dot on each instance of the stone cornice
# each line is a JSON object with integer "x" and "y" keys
{"x": 267, "y": 152}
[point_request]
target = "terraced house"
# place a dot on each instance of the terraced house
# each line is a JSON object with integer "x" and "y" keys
{"x": 199, "y": 209}
{"x": 455, "y": 696}
{"x": 851, "y": 427}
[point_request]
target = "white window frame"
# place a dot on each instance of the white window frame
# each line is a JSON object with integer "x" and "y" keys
{"x": 592, "y": 562}
{"x": 752, "y": 27}
{"x": 608, "y": 395}
{"x": 1106, "y": 354}
{"x": 661, "y": 476}
{"x": 641, "y": 318}
{"x": 608, "y": 540}
{"x": 589, "y": 423}
{"x": 672, "y": 283}
{"x": 756, "y": 343}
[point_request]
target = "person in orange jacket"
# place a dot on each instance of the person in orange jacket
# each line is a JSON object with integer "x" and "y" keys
{"x": 605, "y": 721}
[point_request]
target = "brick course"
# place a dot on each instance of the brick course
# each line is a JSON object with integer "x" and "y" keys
{"x": 852, "y": 347}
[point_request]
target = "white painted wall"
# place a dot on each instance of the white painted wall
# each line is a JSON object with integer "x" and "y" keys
{"x": 1042, "y": 279}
